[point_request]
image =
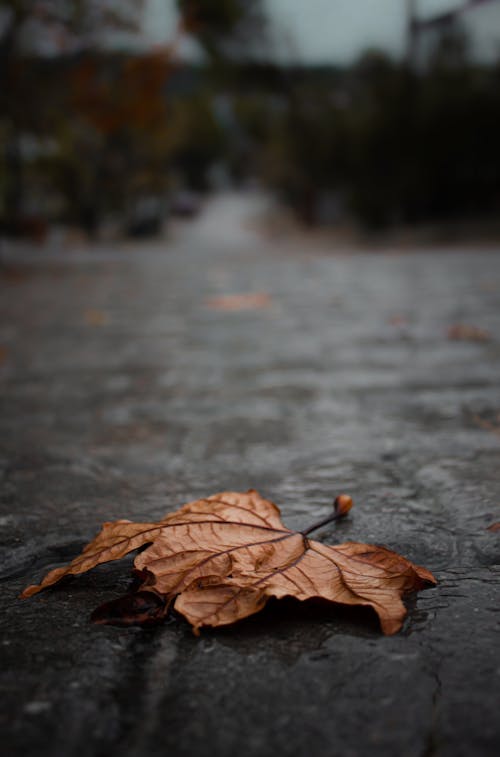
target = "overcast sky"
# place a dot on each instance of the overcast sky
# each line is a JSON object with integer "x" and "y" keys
{"x": 336, "y": 31}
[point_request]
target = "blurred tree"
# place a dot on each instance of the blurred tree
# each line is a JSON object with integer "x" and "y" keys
{"x": 383, "y": 139}
{"x": 459, "y": 122}
{"x": 195, "y": 139}
{"x": 119, "y": 121}
{"x": 231, "y": 33}
{"x": 390, "y": 144}
{"x": 226, "y": 29}
{"x": 28, "y": 29}
{"x": 106, "y": 129}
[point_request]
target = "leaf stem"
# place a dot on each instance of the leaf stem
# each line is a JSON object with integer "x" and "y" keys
{"x": 323, "y": 522}
{"x": 341, "y": 507}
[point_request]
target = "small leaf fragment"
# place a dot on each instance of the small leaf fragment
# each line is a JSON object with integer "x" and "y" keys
{"x": 234, "y": 302}
{"x": 95, "y": 317}
{"x": 465, "y": 332}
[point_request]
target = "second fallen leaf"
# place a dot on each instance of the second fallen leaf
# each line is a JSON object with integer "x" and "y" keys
{"x": 248, "y": 301}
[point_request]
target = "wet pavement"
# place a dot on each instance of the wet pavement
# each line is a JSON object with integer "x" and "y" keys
{"x": 128, "y": 387}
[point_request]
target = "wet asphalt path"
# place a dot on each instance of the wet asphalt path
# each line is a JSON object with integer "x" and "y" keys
{"x": 125, "y": 393}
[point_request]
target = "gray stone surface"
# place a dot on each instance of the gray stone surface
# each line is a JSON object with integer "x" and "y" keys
{"x": 124, "y": 395}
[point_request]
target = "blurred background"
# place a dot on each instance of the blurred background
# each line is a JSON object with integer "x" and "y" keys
{"x": 117, "y": 116}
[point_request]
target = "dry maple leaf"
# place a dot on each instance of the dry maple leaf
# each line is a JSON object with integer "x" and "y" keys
{"x": 220, "y": 559}
{"x": 466, "y": 333}
{"x": 95, "y": 317}
{"x": 493, "y": 426}
{"x": 246, "y": 301}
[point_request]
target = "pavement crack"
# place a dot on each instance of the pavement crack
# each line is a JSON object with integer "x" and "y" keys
{"x": 431, "y": 744}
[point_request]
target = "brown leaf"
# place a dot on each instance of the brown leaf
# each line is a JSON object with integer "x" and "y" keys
{"x": 398, "y": 320}
{"x": 249, "y": 301}
{"x": 494, "y": 527}
{"x": 95, "y": 317}
{"x": 488, "y": 425}
{"x": 220, "y": 559}
{"x": 465, "y": 333}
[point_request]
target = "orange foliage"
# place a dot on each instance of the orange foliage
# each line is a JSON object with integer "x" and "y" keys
{"x": 128, "y": 96}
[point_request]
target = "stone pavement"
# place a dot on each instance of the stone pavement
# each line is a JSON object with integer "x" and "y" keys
{"x": 124, "y": 394}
